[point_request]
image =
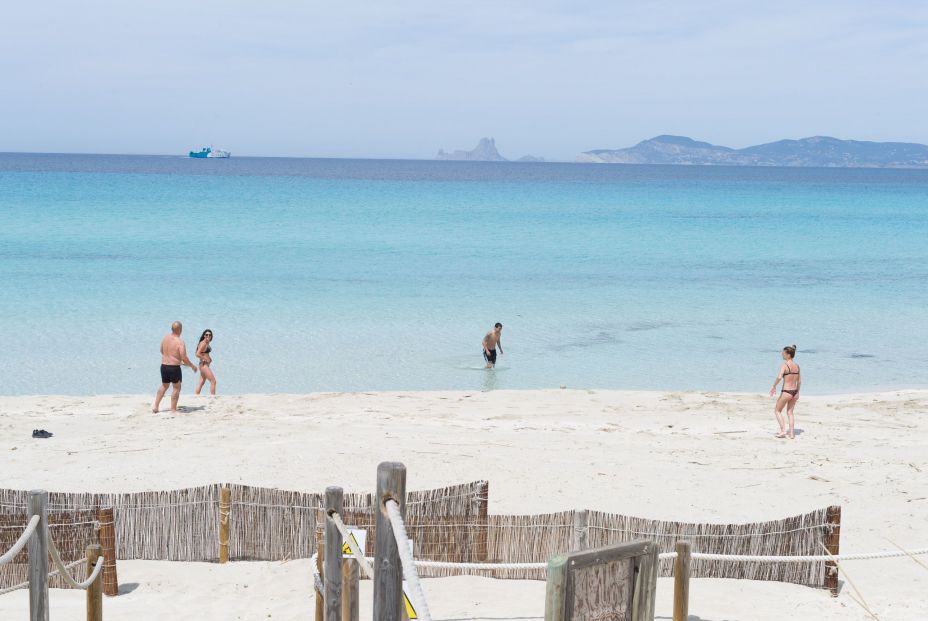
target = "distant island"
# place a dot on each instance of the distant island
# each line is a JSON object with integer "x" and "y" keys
{"x": 485, "y": 151}
{"x": 822, "y": 151}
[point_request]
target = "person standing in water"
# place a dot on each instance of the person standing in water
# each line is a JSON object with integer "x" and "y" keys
{"x": 173, "y": 354}
{"x": 789, "y": 395}
{"x": 490, "y": 343}
{"x": 204, "y": 347}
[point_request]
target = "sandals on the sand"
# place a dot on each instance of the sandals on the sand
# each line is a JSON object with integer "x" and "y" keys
{"x": 41, "y": 433}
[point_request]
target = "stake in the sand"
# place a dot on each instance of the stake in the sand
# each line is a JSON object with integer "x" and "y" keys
{"x": 333, "y": 560}
{"x": 107, "y": 520}
{"x": 225, "y": 510}
{"x": 38, "y": 557}
{"x": 832, "y": 545}
{"x": 320, "y": 559}
{"x": 388, "y": 573}
{"x": 95, "y": 590}
{"x": 681, "y": 582}
{"x": 351, "y": 578}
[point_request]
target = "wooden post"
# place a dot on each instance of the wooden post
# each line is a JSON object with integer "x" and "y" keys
{"x": 388, "y": 573}
{"x": 555, "y": 589}
{"x": 832, "y": 544}
{"x": 320, "y": 558}
{"x": 38, "y": 557}
{"x": 225, "y": 509}
{"x": 681, "y": 582}
{"x": 483, "y": 521}
{"x": 351, "y": 577}
{"x": 108, "y": 543}
{"x": 95, "y": 590}
{"x": 333, "y": 560}
{"x": 579, "y": 538}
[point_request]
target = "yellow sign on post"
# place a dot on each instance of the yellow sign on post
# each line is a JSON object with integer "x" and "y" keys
{"x": 410, "y": 609}
{"x": 359, "y": 536}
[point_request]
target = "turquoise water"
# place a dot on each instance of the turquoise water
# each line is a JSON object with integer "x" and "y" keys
{"x": 322, "y": 275}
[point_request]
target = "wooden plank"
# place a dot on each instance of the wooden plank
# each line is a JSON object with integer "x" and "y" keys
{"x": 333, "y": 560}
{"x": 225, "y": 510}
{"x": 388, "y": 573}
{"x": 483, "y": 550}
{"x": 833, "y": 545}
{"x": 351, "y": 610}
{"x": 320, "y": 559}
{"x": 38, "y": 557}
{"x": 681, "y": 581}
{"x": 581, "y": 530}
{"x": 555, "y": 589}
{"x": 95, "y": 590}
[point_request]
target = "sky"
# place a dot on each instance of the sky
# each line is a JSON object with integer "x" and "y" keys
{"x": 403, "y": 79}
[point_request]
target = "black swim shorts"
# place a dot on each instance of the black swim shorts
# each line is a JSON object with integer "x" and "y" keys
{"x": 491, "y": 358}
{"x": 170, "y": 374}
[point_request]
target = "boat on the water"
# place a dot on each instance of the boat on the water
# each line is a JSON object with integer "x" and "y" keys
{"x": 210, "y": 152}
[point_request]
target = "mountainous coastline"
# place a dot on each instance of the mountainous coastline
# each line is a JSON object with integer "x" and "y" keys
{"x": 820, "y": 151}
{"x": 485, "y": 151}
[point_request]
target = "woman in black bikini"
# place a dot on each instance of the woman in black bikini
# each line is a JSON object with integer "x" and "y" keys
{"x": 789, "y": 395}
{"x": 206, "y": 373}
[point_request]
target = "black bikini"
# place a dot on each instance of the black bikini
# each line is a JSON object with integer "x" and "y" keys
{"x": 789, "y": 371}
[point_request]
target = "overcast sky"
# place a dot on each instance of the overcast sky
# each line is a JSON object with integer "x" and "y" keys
{"x": 382, "y": 79}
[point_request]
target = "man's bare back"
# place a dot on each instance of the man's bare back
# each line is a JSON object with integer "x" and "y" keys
{"x": 173, "y": 350}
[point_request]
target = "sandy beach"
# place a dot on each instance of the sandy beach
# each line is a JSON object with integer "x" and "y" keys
{"x": 683, "y": 456}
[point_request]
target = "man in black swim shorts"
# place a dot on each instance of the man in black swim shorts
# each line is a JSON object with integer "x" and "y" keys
{"x": 490, "y": 343}
{"x": 173, "y": 354}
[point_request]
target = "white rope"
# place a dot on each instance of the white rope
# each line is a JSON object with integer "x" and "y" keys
{"x": 356, "y": 552}
{"x": 63, "y": 569}
{"x": 807, "y": 559}
{"x": 15, "y": 587}
{"x": 21, "y": 542}
{"x": 409, "y": 566}
{"x": 317, "y": 579}
{"x": 479, "y": 566}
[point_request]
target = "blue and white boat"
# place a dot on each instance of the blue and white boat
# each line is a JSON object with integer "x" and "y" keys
{"x": 210, "y": 152}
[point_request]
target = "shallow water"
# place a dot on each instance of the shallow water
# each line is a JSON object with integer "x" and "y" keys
{"x": 323, "y": 275}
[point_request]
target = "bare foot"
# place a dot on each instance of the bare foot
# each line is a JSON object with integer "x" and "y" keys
{"x": 154, "y": 411}
{"x": 782, "y": 434}
{"x": 791, "y": 436}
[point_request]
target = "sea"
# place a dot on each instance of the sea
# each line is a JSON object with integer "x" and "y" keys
{"x": 364, "y": 275}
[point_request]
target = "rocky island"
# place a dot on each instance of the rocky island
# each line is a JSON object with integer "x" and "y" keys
{"x": 485, "y": 151}
{"x": 821, "y": 151}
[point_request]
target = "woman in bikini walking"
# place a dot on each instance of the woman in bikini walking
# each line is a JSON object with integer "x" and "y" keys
{"x": 203, "y": 353}
{"x": 789, "y": 395}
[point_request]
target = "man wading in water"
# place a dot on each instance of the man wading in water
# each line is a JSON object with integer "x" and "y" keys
{"x": 490, "y": 343}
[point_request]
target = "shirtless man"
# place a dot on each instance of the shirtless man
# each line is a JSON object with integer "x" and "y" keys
{"x": 173, "y": 354}
{"x": 490, "y": 343}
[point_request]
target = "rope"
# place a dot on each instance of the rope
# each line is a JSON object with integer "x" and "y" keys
{"x": 807, "y": 559}
{"x": 479, "y": 566}
{"x": 15, "y": 587}
{"x": 356, "y": 552}
{"x": 317, "y": 579}
{"x": 409, "y": 566}
{"x": 63, "y": 569}
{"x": 21, "y": 542}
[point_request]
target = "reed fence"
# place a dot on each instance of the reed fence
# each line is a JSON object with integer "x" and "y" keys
{"x": 447, "y": 524}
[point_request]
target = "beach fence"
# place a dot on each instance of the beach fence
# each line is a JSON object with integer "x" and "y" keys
{"x": 39, "y": 539}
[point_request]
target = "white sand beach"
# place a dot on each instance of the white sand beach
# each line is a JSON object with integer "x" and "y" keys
{"x": 683, "y": 456}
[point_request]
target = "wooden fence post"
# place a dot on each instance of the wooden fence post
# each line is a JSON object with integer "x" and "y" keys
{"x": 38, "y": 557}
{"x": 225, "y": 509}
{"x": 320, "y": 569}
{"x": 832, "y": 544}
{"x": 483, "y": 522}
{"x": 556, "y": 588}
{"x": 108, "y": 542}
{"x": 351, "y": 577}
{"x": 388, "y": 573}
{"x": 95, "y": 590}
{"x": 333, "y": 560}
{"x": 681, "y": 582}
{"x": 579, "y": 538}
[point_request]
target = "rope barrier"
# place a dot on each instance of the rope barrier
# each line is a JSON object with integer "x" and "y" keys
{"x": 15, "y": 587}
{"x": 317, "y": 579}
{"x": 10, "y": 554}
{"x": 807, "y": 559}
{"x": 52, "y": 574}
{"x": 356, "y": 552}
{"x": 406, "y": 560}
{"x": 63, "y": 569}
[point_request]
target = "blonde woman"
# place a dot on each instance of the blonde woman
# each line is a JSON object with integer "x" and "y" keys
{"x": 789, "y": 394}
